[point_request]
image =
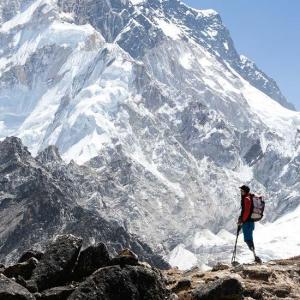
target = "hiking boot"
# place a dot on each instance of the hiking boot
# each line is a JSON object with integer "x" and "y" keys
{"x": 258, "y": 260}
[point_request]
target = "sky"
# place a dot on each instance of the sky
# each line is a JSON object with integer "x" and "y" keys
{"x": 268, "y": 32}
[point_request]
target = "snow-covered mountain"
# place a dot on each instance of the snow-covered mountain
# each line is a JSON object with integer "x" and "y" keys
{"x": 153, "y": 96}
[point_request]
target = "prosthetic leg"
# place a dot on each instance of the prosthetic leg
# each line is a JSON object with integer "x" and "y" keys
{"x": 252, "y": 248}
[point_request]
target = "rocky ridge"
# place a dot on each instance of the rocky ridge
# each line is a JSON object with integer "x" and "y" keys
{"x": 37, "y": 203}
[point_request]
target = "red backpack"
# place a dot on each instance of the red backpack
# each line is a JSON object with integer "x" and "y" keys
{"x": 258, "y": 205}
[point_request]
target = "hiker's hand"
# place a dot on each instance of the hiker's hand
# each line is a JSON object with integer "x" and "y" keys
{"x": 239, "y": 222}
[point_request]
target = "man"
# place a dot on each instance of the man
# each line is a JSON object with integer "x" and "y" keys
{"x": 244, "y": 222}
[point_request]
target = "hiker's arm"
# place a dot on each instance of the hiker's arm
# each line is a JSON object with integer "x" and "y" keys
{"x": 247, "y": 209}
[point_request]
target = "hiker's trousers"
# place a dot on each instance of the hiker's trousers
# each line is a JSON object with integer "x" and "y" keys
{"x": 248, "y": 228}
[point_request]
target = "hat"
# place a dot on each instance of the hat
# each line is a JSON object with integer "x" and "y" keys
{"x": 245, "y": 188}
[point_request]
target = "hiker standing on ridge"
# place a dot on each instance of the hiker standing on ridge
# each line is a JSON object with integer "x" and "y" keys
{"x": 245, "y": 222}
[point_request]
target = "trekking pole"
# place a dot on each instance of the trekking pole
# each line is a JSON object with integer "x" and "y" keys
{"x": 234, "y": 250}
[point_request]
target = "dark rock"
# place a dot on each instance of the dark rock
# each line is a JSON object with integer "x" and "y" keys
{"x": 56, "y": 265}
{"x": 182, "y": 284}
{"x": 10, "y": 290}
{"x": 280, "y": 291}
{"x": 222, "y": 289}
{"x": 220, "y": 267}
{"x": 37, "y": 295}
{"x": 20, "y": 280}
{"x": 57, "y": 293}
{"x": 257, "y": 274}
{"x": 23, "y": 269}
{"x": 128, "y": 283}
{"x": 2, "y": 268}
{"x": 125, "y": 257}
{"x": 90, "y": 260}
{"x": 30, "y": 253}
{"x": 49, "y": 154}
{"x": 253, "y": 291}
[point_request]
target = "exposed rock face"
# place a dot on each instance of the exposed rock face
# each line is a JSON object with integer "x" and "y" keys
{"x": 39, "y": 201}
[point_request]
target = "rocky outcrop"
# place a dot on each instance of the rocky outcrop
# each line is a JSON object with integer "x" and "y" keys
{"x": 66, "y": 273}
{"x": 122, "y": 283}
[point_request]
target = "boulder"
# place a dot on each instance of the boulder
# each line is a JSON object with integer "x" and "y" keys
{"x": 10, "y": 290}
{"x": 220, "y": 267}
{"x": 29, "y": 254}
{"x": 23, "y": 269}
{"x": 221, "y": 289}
{"x": 182, "y": 284}
{"x": 257, "y": 274}
{"x": 56, "y": 266}
{"x": 90, "y": 260}
{"x": 117, "y": 283}
{"x": 125, "y": 257}
{"x": 57, "y": 293}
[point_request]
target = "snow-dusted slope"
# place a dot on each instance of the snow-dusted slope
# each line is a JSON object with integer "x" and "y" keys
{"x": 157, "y": 92}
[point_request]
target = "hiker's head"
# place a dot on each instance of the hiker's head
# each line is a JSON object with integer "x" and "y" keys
{"x": 244, "y": 189}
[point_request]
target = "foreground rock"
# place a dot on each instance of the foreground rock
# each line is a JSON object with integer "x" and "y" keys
{"x": 90, "y": 260}
{"x": 273, "y": 280}
{"x": 10, "y": 290}
{"x": 29, "y": 254}
{"x": 56, "y": 293}
{"x": 23, "y": 269}
{"x": 225, "y": 288}
{"x": 125, "y": 257}
{"x": 63, "y": 272}
{"x": 127, "y": 283}
{"x": 56, "y": 265}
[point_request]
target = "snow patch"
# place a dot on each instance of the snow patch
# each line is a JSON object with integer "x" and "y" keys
{"x": 169, "y": 29}
{"x": 186, "y": 61}
{"x": 182, "y": 258}
{"x": 205, "y": 238}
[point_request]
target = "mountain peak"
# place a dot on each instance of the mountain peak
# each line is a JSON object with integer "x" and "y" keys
{"x": 12, "y": 148}
{"x": 49, "y": 154}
